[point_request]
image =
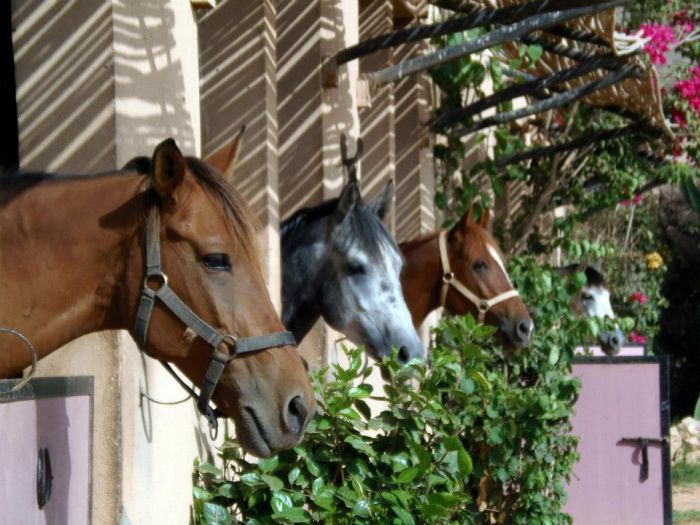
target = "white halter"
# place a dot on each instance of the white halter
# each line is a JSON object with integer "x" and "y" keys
{"x": 448, "y": 278}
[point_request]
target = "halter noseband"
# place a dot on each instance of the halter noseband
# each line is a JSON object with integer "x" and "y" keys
{"x": 237, "y": 346}
{"x": 448, "y": 279}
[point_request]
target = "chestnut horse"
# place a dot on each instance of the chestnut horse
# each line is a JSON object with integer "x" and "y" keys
{"x": 73, "y": 261}
{"x": 462, "y": 270}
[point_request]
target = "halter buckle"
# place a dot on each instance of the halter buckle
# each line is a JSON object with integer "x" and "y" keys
{"x": 483, "y": 306}
{"x": 159, "y": 279}
{"x": 447, "y": 277}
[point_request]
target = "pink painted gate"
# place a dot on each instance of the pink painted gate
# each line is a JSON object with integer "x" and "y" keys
{"x": 48, "y": 421}
{"x": 621, "y": 418}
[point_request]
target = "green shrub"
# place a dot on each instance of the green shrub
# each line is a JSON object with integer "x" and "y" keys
{"x": 478, "y": 436}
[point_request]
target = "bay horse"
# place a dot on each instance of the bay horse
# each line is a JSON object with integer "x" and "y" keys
{"x": 462, "y": 270}
{"x": 168, "y": 256}
{"x": 594, "y": 301}
{"x": 341, "y": 263}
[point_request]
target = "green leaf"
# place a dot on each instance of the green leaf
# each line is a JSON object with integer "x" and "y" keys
{"x": 361, "y": 508}
{"x": 292, "y": 515}
{"x": 269, "y": 465}
{"x": 408, "y": 475}
{"x": 404, "y": 516}
{"x": 359, "y": 444}
{"x": 208, "y": 468}
{"x": 324, "y": 498}
{"x": 360, "y": 391}
{"x": 215, "y": 514}
{"x": 273, "y": 482}
{"x": 534, "y": 51}
{"x": 696, "y": 414}
{"x": 553, "y": 355}
{"x": 280, "y": 502}
{"x": 201, "y": 494}
{"x": 252, "y": 479}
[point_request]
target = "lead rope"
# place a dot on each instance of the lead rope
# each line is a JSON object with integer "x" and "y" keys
{"x": 448, "y": 279}
{"x": 32, "y": 370}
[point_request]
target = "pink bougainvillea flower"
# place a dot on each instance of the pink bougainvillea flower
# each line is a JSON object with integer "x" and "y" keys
{"x": 636, "y": 338}
{"x": 689, "y": 88}
{"x": 678, "y": 116}
{"x": 639, "y": 297}
{"x": 660, "y": 39}
{"x": 635, "y": 200}
{"x": 682, "y": 20}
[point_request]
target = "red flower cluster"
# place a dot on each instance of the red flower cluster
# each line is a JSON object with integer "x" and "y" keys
{"x": 636, "y": 200}
{"x": 661, "y": 37}
{"x": 689, "y": 89}
{"x": 636, "y": 338}
{"x": 638, "y": 297}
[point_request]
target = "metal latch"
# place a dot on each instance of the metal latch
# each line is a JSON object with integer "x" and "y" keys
{"x": 643, "y": 443}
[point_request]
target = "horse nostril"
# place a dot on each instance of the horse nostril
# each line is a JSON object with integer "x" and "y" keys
{"x": 403, "y": 355}
{"x": 614, "y": 341}
{"x": 297, "y": 412}
{"x": 524, "y": 329}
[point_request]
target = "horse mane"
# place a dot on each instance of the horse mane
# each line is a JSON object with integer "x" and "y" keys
{"x": 361, "y": 225}
{"x": 307, "y": 216}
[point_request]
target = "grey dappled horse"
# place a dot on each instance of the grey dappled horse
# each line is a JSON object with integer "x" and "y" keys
{"x": 340, "y": 262}
{"x": 594, "y": 301}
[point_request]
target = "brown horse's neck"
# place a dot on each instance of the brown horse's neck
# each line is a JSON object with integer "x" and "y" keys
{"x": 66, "y": 247}
{"x": 421, "y": 278}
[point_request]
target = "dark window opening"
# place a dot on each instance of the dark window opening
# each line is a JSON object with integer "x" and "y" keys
{"x": 9, "y": 133}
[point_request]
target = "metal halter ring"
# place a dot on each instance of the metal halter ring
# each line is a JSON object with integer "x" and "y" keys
{"x": 231, "y": 341}
{"x": 160, "y": 276}
{"x": 447, "y": 277}
{"x": 483, "y": 306}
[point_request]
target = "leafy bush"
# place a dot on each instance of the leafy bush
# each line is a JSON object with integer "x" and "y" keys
{"x": 476, "y": 437}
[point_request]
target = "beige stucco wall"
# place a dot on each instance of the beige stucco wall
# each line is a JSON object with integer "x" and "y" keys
{"x": 99, "y": 82}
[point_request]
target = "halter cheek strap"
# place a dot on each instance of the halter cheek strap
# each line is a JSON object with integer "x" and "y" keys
{"x": 163, "y": 293}
{"x": 448, "y": 279}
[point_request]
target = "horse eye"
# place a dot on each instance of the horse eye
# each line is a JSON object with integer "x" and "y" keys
{"x": 479, "y": 266}
{"x": 217, "y": 261}
{"x": 356, "y": 268}
{"x": 586, "y": 297}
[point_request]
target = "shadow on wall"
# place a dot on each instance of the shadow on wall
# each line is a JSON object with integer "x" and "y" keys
{"x": 65, "y": 90}
{"x": 299, "y": 104}
{"x": 75, "y": 62}
{"x": 234, "y": 84}
{"x": 150, "y": 87}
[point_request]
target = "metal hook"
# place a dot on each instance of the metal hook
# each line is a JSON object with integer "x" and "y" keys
{"x": 350, "y": 163}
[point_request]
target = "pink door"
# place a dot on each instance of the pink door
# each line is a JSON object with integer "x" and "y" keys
{"x": 51, "y": 415}
{"x": 621, "y": 479}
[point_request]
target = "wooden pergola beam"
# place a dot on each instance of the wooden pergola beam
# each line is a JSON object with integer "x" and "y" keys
{"x": 555, "y": 101}
{"x": 537, "y": 85}
{"x": 507, "y": 33}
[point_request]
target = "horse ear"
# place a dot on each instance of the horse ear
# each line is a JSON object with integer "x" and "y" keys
{"x": 465, "y": 221}
{"x": 382, "y": 204}
{"x": 484, "y": 218}
{"x": 565, "y": 271}
{"x": 167, "y": 168}
{"x": 348, "y": 198}
{"x": 224, "y": 159}
{"x": 594, "y": 277}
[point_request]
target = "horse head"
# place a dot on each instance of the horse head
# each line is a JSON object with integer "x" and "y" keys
{"x": 208, "y": 254}
{"x": 477, "y": 270}
{"x": 594, "y": 301}
{"x": 360, "y": 294}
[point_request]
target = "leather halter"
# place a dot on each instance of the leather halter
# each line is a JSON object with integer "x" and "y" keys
{"x": 236, "y": 345}
{"x": 448, "y": 279}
